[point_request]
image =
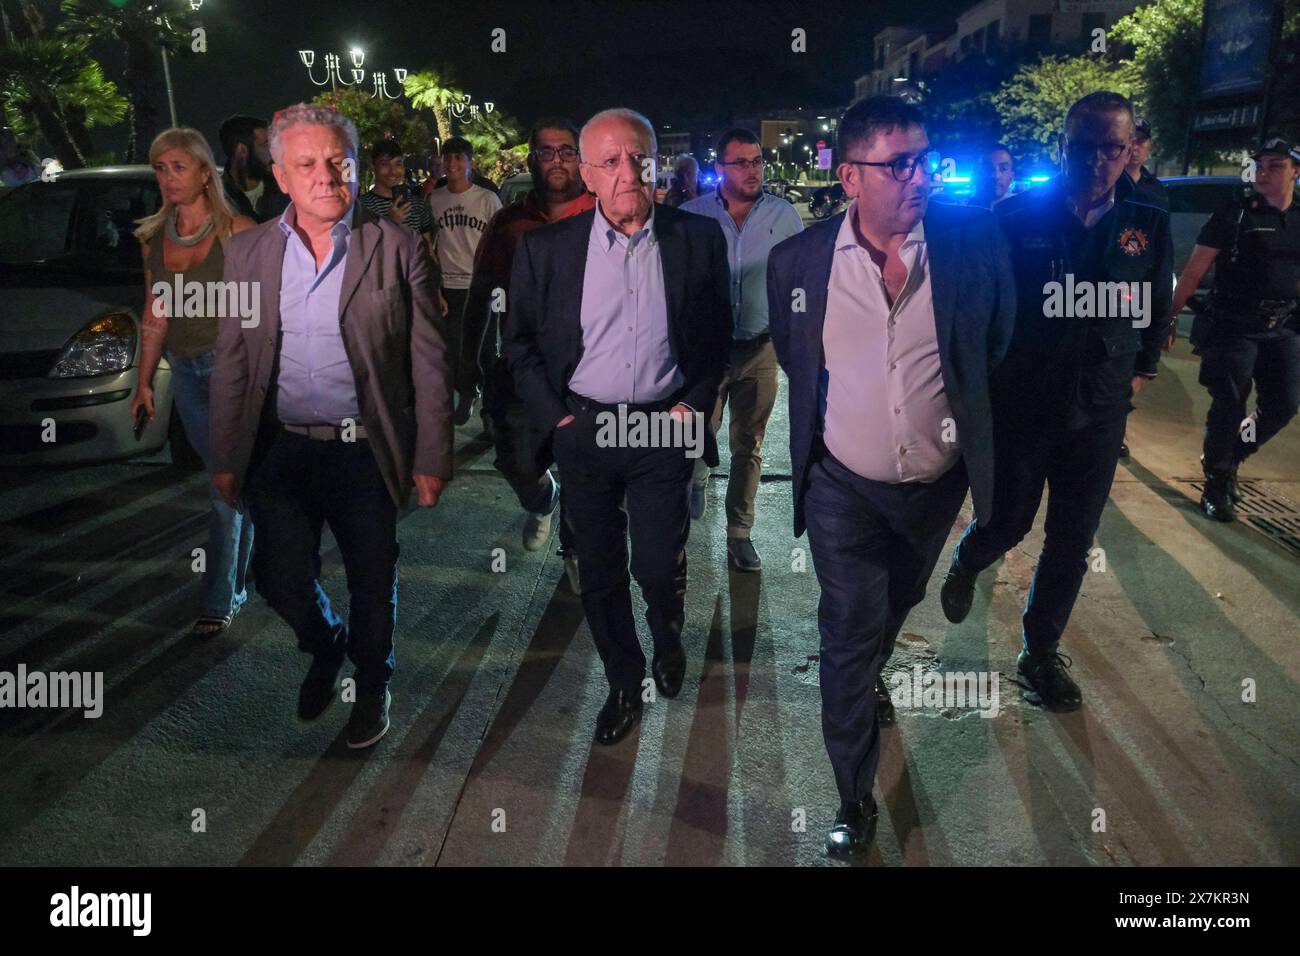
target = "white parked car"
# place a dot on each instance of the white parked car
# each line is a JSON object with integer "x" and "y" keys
{"x": 71, "y": 290}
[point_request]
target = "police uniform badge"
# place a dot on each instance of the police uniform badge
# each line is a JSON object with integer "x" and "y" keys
{"x": 1133, "y": 242}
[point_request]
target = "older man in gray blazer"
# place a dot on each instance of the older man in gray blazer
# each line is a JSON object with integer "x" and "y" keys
{"x": 331, "y": 406}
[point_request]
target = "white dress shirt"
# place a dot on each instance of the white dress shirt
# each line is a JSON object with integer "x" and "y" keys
{"x": 886, "y": 414}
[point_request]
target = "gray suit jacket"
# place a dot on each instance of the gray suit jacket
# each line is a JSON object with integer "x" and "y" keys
{"x": 392, "y": 332}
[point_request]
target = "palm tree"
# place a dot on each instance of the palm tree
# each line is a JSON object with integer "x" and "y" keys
{"x": 489, "y": 133}
{"x": 91, "y": 99}
{"x": 433, "y": 89}
{"x": 143, "y": 28}
{"x": 56, "y": 84}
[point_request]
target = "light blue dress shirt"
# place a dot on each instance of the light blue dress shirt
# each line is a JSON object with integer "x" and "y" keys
{"x": 316, "y": 386}
{"x": 770, "y": 220}
{"x": 627, "y": 356}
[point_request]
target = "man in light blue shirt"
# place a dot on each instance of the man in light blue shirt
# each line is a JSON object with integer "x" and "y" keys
{"x": 626, "y": 353}
{"x": 332, "y": 409}
{"x": 622, "y": 312}
{"x": 316, "y": 386}
{"x": 752, "y": 222}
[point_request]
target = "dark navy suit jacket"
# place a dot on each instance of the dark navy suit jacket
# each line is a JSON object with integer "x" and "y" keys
{"x": 974, "y": 312}
{"x": 542, "y": 341}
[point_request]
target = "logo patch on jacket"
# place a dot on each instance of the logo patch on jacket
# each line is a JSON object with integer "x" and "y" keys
{"x": 1133, "y": 242}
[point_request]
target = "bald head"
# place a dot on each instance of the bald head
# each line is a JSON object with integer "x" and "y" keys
{"x": 618, "y": 165}
{"x": 621, "y": 116}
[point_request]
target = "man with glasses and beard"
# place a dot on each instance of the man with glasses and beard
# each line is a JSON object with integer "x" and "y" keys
{"x": 557, "y": 193}
{"x": 753, "y": 223}
{"x": 887, "y": 320}
{"x": 247, "y": 178}
{"x": 1061, "y": 398}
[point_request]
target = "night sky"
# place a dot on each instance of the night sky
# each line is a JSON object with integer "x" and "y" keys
{"x": 685, "y": 64}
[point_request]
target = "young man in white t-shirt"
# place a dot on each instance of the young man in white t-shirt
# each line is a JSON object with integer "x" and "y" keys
{"x": 462, "y": 211}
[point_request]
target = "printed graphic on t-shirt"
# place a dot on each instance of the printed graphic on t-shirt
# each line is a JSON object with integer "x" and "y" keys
{"x": 461, "y": 219}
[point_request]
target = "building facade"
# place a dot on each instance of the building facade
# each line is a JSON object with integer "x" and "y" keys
{"x": 902, "y": 56}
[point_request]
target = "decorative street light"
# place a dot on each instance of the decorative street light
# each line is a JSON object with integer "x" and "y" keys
{"x": 334, "y": 73}
{"x": 465, "y": 105}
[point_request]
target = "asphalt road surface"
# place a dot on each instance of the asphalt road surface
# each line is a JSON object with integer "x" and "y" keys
{"x": 490, "y": 759}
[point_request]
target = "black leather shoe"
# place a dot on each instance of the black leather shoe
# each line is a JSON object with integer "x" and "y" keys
{"x": 742, "y": 555}
{"x": 884, "y": 703}
{"x": 369, "y": 720}
{"x": 855, "y": 828}
{"x": 1216, "y": 501}
{"x": 668, "y": 670}
{"x": 1048, "y": 677}
{"x": 621, "y": 712}
{"x": 319, "y": 688}
{"x": 958, "y": 591}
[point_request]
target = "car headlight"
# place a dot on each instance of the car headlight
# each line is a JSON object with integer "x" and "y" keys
{"x": 103, "y": 346}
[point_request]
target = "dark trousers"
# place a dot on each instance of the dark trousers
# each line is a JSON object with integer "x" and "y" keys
{"x": 466, "y": 336}
{"x": 1078, "y": 466}
{"x": 298, "y": 485}
{"x": 874, "y": 546}
{"x": 655, "y": 482}
{"x": 512, "y": 438}
{"x": 1229, "y": 363}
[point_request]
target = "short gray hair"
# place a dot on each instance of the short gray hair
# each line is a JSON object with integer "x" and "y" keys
{"x": 301, "y": 114}
{"x": 623, "y": 113}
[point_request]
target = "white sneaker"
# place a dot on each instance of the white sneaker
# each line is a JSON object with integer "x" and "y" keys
{"x": 537, "y": 528}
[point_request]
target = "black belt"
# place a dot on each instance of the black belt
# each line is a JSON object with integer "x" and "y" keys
{"x": 580, "y": 403}
{"x": 756, "y": 340}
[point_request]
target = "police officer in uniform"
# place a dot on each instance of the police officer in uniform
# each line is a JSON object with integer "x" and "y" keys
{"x": 1146, "y": 182}
{"x": 1062, "y": 394}
{"x": 1248, "y": 331}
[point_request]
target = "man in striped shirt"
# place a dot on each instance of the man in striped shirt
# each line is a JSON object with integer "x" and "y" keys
{"x": 391, "y": 198}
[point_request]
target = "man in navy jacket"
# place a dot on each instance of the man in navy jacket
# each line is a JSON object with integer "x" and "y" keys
{"x": 887, "y": 320}
{"x": 1093, "y": 265}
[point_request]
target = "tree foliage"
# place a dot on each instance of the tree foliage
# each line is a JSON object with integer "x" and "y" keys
{"x": 141, "y": 28}
{"x": 53, "y": 90}
{"x": 378, "y": 119}
{"x": 1032, "y": 104}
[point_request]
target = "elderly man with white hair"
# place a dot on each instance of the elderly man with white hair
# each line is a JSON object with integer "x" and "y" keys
{"x": 623, "y": 313}
{"x": 331, "y": 407}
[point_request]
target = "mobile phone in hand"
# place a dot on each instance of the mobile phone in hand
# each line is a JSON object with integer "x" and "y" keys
{"x": 402, "y": 193}
{"x": 141, "y": 419}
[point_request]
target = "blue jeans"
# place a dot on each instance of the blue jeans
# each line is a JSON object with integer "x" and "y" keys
{"x": 230, "y": 530}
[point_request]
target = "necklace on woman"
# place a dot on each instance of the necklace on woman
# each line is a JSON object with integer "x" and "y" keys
{"x": 192, "y": 240}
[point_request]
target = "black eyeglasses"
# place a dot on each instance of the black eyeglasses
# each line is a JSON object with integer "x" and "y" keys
{"x": 1080, "y": 148}
{"x": 746, "y": 163}
{"x": 904, "y": 167}
{"x": 547, "y": 153}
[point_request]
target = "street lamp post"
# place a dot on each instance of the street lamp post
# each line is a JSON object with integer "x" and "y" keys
{"x": 334, "y": 73}
{"x": 171, "y": 96}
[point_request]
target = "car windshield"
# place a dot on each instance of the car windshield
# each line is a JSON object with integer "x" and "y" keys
{"x": 74, "y": 230}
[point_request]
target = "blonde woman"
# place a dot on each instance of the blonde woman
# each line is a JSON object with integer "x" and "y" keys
{"x": 186, "y": 237}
